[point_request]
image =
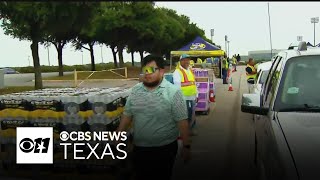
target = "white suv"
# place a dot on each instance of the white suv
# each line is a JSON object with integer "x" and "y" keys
{"x": 287, "y": 132}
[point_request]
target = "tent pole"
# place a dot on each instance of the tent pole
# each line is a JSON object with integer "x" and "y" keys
{"x": 220, "y": 68}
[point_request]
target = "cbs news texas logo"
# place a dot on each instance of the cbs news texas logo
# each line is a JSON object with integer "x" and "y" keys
{"x": 34, "y": 145}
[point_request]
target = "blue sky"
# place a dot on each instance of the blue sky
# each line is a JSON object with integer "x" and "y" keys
{"x": 245, "y": 23}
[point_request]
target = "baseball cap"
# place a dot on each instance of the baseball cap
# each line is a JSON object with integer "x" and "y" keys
{"x": 183, "y": 56}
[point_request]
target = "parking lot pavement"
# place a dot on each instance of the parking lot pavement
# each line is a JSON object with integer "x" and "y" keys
{"x": 224, "y": 146}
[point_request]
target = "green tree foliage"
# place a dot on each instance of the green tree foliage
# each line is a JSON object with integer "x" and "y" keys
{"x": 131, "y": 26}
{"x": 65, "y": 22}
{"x": 87, "y": 34}
{"x": 26, "y": 21}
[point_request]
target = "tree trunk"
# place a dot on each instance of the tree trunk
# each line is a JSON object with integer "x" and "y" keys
{"x": 141, "y": 55}
{"x": 114, "y": 54}
{"x": 60, "y": 46}
{"x": 36, "y": 63}
{"x": 93, "y": 66}
{"x": 120, "y": 53}
{"x": 132, "y": 58}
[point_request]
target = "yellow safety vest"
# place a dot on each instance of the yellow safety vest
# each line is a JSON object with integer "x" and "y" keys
{"x": 191, "y": 63}
{"x": 188, "y": 83}
{"x": 225, "y": 66}
{"x": 234, "y": 60}
{"x": 199, "y": 60}
{"x": 251, "y": 76}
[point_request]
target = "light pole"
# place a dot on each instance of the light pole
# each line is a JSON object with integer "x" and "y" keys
{"x": 226, "y": 40}
{"x": 101, "y": 53}
{"x": 212, "y": 34}
{"x": 228, "y": 48}
{"x": 299, "y": 38}
{"x": 270, "y": 31}
{"x": 48, "y": 55}
{"x": 314, "y": 20}
{"x": 82, "y": 56}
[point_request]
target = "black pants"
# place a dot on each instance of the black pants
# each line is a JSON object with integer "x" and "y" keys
{"x": 154, "y": 163}
{"x": 224, "y": 76}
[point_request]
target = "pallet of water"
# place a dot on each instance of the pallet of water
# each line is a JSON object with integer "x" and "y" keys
{"x": 200, "y": 72}
{"x": 63, "y": 109}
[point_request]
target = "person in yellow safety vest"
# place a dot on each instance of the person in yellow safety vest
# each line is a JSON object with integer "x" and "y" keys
{"x": 251, "y": 73}
{"x": 184, "y": 78}
{"x": 199, "y": 61}
{"x": 191, "y": 63}
{"x": 178, "y": 65}
{"x": 204, "y": 63}
{"x": 225, "y": 67}
{"x": 234, "y": 62}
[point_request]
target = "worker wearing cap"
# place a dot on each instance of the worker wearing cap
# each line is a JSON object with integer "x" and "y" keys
{"x": 184, "y": 78}
{"x": 225, "y": 67}
{"x": 251, "y": 73}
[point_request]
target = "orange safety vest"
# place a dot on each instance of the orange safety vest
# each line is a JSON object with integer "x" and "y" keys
{"x": 188, "y": 85}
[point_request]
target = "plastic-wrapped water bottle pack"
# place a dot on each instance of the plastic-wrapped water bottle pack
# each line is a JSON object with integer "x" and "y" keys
{"x": 65, "y": 109}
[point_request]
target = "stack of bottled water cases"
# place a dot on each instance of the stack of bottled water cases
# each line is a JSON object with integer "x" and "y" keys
{"x": 200, "y": 72}
{"x": 65, "y": 109}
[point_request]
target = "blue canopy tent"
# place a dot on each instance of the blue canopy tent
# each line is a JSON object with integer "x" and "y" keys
{"x": 198, "y": 47}
{"x": 199, "y": 44}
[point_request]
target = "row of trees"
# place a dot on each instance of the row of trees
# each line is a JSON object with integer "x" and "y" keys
{"x": 131, "y": 26}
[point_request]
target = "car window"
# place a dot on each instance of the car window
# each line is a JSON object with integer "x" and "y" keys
{"x": 257, "y": 77}
{"x": 301, "y": 83}
{"x": 264, "y": 75}
{"x": 268, "y": 82}
{"x": 274, "y": 80}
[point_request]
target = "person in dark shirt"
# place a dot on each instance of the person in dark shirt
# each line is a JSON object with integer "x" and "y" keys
{"x": 238, "y": 58}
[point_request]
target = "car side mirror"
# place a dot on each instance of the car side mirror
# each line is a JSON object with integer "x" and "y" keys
{"x": 251, "y": 104}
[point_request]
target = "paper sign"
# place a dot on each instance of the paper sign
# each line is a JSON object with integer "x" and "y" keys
{"x": 293, "y": 90}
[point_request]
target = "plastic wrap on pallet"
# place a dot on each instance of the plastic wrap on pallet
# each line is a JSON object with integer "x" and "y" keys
{"x": 63, "y": 109}
{"x": 71, "y": 109}
{"x": 200, "y": 72}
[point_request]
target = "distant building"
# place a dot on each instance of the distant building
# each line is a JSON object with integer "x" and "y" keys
{"x": 263, "y": 54}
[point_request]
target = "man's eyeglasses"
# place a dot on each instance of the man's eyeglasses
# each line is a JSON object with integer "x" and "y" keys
{"x": 149, "y": 70}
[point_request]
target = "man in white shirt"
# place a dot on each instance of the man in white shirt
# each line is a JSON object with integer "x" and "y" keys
{"x": 184, "y": 78}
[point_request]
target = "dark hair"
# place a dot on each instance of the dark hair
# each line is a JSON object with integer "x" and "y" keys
{"x": 157, "y": 59}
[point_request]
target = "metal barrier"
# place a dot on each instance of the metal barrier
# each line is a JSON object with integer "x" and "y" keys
{"x": 92, "y": 72}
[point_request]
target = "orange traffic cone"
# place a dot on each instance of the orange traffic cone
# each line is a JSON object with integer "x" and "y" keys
{"x": 233, "y": 69}
{"x": 211, "y": 97}
{"x": 230, "y": 87}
